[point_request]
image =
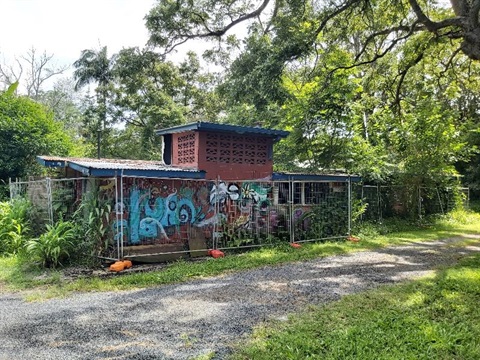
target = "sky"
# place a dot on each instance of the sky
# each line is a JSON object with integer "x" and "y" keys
{"x": 66, "y": 27}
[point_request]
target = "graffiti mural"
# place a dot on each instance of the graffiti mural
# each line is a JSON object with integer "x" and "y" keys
{"x": 155, "y": 211}
{"x": 160, "y": 212}
{"x": 229, "y": 214}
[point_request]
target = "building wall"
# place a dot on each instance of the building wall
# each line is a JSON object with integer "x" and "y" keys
{"x": 235, "y": 156}
{"x": 164, "y": 211}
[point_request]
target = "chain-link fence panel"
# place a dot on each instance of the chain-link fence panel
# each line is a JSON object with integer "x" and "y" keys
{"x": 162, "y": 217}
{"x": 382, "y": 202}
{"x": 52, "y": 199}
{"x": 320, "y": 211}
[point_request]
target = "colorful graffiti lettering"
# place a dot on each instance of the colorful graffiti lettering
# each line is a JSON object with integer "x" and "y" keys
{"x": 149, "y": 216}
{"x": 222, "y": 192}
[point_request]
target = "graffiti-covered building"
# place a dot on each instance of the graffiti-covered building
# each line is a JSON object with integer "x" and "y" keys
{"x": 214, "y": 188}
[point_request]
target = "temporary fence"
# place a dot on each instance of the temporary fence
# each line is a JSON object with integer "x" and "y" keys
{"x": 386, "y": 201}
{"x": 53, "y": 199}
{"x": 153, "y": 216}
{"x": 156, "y": 219}
{"x": 162, "y": 217}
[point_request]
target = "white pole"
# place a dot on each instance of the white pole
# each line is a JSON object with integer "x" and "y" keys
{"x": 121, "y": 214}
{"x": 349, "y": 206}
{"x": 116, "y": 216}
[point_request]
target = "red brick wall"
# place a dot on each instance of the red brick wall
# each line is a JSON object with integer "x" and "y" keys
{"x": 185, "y": 149}
{"x": 235, "y": 156}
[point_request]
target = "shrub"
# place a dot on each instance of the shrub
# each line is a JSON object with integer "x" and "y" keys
{"x": 93, "y": 219}
{"x": 13, "y": 225}
{"x": 54, "y": 246}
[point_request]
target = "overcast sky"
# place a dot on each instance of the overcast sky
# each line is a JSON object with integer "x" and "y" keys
{"x": 66, "y": 27}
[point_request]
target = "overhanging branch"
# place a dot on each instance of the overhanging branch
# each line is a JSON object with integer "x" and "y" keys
{"x": 433, "y": 26}
{"x": 182, "y": 38}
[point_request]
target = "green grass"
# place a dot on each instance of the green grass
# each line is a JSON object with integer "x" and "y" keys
{"x": 434, "y": 318}
{"x": 15, "y": 275}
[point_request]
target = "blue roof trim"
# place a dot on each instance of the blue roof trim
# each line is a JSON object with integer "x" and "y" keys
{"x": 206, "y": 126}
{"x": 87, "y": 171}
{"x": 50, "y": 163}
{"x": 84, "y": 170}
{"x": 173, "y": 174}
{"x": 104, "y": 172}
{"x": 314, "y": 177}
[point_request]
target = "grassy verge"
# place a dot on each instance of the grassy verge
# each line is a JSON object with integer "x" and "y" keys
{"x": 433, "y": 318}
{"x": 15, "y": 275}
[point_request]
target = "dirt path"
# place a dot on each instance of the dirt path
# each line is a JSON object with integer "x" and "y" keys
{"x": 202, "y": 316}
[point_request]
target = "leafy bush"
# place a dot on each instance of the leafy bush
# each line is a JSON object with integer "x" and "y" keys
{"x": 327, "y": 219}
{"x": 55, "y": 245}
{"x": 368, "y": 229}
{"x": 13, "y": 225}
{"x": 93, "y": 219}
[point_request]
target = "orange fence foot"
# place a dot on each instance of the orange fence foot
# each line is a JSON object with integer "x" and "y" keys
{"x": 120, "y": 265}
{"x": 216, "y": 253}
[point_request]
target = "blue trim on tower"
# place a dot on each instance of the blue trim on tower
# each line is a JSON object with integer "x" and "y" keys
{"x": 206, "y": 126}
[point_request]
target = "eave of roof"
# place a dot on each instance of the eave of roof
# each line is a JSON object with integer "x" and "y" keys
{"x": 206, "y": 126}
{"x": 276, "y": 176}
{"x": 115, "y": 167}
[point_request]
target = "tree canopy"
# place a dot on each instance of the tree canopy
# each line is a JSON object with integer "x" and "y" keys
{"x": 376, "y": 87}
{"x": 380, "y": 88}
{"x": 172, "y": 23}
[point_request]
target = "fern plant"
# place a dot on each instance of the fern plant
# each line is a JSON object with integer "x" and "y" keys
{"x": 54, "y": 246}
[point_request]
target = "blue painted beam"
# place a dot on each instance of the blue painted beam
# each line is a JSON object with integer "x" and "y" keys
{"x": 206, "y": 126}
{"x": 314, "y": 177}
{"x": 50, "y": 163}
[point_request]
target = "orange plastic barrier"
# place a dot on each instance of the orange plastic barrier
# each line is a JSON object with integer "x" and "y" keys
{"x": 120, "y": 265}
{"x": 216, "y": 253}
{"x": 353, "y": 239}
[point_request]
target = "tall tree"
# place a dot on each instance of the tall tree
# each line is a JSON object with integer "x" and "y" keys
{"x": 94, "y": 66}
{"x": 146, "y": 94}
{"x": 64, "y": 102}
{"x": 152, "y": 93}
{"x": 198, "y": 94}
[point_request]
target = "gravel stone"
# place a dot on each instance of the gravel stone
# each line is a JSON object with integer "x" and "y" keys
{"x": 183, "y": 321}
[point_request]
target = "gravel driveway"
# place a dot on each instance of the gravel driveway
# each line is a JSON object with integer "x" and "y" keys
{"x": 202, "y": 316}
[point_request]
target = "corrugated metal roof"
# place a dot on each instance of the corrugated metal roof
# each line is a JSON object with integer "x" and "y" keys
{"x": 111, "y": 167}
{"x": 206, "y": 126}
